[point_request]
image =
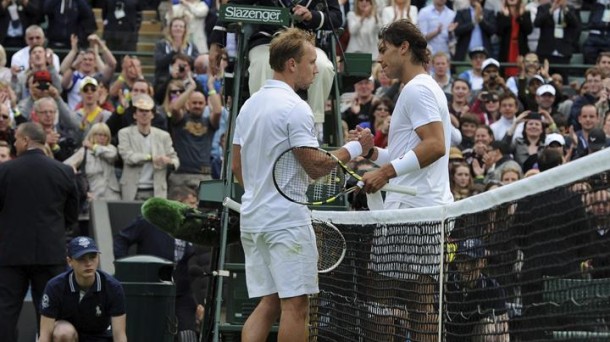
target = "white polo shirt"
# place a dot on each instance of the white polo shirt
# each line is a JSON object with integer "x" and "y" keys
{"x": 271, "y": 121}
{"x": 421, "y": 101}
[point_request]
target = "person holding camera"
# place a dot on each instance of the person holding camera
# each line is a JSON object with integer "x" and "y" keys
{"x": 40, "y": 61}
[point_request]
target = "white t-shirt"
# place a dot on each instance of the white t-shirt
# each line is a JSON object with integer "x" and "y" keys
{"x": 421, "y": 101}
{"x": 274, "y": 119}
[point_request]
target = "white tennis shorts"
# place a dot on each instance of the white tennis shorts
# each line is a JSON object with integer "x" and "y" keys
{"x": 283, "y": 262}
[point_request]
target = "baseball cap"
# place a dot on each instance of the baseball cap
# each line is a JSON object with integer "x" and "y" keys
{"x": 472, "y": 248}
{"x": 545, "y": 89}
{"x": 597, "y": 139}
{"x": 455, "y": 153}
{"x": 87, "y": 81}
{"x": 554, "y": 137}
{"x": 80, "y": 246}
{"x": 42, "y": 76}
{"x": 536, "y": 77}
{"x": 143, "y": 101}
{"x": 478, "y": 49}
{"x": 490, "y": 62}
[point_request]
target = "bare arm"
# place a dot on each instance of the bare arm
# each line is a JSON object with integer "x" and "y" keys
{"x": 178, "y": 106}
{"x": 215, "y": 102}
{"x": 118, "y": 328}
{"x": 236, "y": 164}
{"x": 47, "y": 325}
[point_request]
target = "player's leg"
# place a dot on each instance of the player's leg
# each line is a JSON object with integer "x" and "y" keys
{"x": 294, "y": 319}
{"x": 259, "y": 323}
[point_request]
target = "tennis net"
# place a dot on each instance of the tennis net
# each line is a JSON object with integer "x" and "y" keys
{"x": 525, "y": 262}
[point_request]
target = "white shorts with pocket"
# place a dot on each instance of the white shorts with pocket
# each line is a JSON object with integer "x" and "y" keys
{"x": 283, "y": 261}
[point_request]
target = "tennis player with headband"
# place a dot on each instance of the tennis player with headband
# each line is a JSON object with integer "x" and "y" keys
{"x": 276, "y": 234}
{"x": 417, "y": 156}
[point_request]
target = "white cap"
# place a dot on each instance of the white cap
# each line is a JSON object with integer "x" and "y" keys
{"x": 545, "y": 88}
{"x": 536, "y": 77}
{"x": 490, "y": 61}
{"x": 554, "y": 137}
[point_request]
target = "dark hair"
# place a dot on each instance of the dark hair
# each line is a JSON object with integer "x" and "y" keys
{"x": 288, "y": 44}
{"x": 180, "y": 193}
{"x": 469, "y": 118}
{"x": 488, "y": 129}
{"x": 34, "y": 131}
{"x": 549, "y": 158}
{"x": 460, "y": 80}
{"x": 404, "y": 30}
{"x": 384, "y": 100}
{"x": 183, "y": 57}
{"x": 509, "y": 95}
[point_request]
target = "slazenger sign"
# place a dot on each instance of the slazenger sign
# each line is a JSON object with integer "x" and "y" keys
{"x": 255, "y": 14}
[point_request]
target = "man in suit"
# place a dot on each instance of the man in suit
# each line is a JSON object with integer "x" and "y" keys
{"x": 38, "y": 203}
{"x": 148, "y": 154}
{"x": 475, "y": 26}
{"x": 559, "y": 32}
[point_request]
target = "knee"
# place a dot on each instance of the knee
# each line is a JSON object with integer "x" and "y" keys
{"x": 64, "y": 332}
{"x": 296, "y": 306}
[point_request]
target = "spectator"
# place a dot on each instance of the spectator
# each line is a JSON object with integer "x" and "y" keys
{"x": 460, "y": 98}
{"x": 525, "y": 149}
{"x": 532, "y": 38}
{"x": 90, "y": 112}
{"x": 476, "y": 303}
{"x": 5, "y": 152}
{"x": 147, "y": 154}
{"x": 122, "y": 20}
{"x": 359, "y": 110}
{"x": 131, "y": 71}
{"x": 491, "y": 107}
{"x": 98, "y": 156}
{"x": 468, "y": 128}
{"x": 176, "y": 41}
{"x": 588, "y": 120}
{"x": 194, "y": 12}
{"x": 364, "y": 25}
{"x": 38, "y": 204}
{"x": 597, "y": 140}
{"x": 150, "y": 240}
{"x": 559, "y": 31}
{"x": 15, "y": 18}
{"x": 596, "y": 263}
{"x": 7, "y": 133}
{"x": 386, "y": 87}
{"x": 483, "y": 137}
{"x": 78, "y": 65}
{"x": 382, "y": 133}
{"x": 597, "y": 41}
{"x": 68, "y": 18}
{"x": 71, "y": 316}
{"x": 440, "y": 66}
{"x": 193, "y": 126}
{"x": 474, "y": 76}
{"x": 508, "y": 110}
{"x": 492, "y": 81}
{"x": 398, "y": 9}
{"x": 123, "y": 116}
{"x": 179, "y": 70}
{"x": 202, "y": 70}
{"x": 529, "y": 66}
{"x": 5, "y": 73}
{"x": 496, "y": 158}
{"x": 603, "y": 63}
{"x": 510, "y": 175}
{"x": 34, "y": 36}
{"x": 558, "y": 142}
{"x": 435, "y": 21}
{"x": 41, "y": 71}
{"x": 462, "y": 185}
{"x": 514, "y": 25}
{"x": 174, "y": 89}
{"x": 605, "y": 127}
{"x": 475, "y": 26}
{"x": 381, "y": 109}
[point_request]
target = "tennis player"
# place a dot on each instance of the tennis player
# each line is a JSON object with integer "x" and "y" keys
{"x": 417, "y": 156}
{"x": 276, "y": 234}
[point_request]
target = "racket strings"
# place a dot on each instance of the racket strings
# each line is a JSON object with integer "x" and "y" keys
{"x": 331, "y": 245}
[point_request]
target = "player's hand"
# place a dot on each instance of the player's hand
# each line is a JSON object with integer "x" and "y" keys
{"x": 377, "y": 179}
{"x": 365, "y": 138}
{"x": 301, "y": 13}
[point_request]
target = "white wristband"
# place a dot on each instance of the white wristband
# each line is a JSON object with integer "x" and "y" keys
{"x": 408, "y": 163}
{"x": 383, "y": 156}
{"x": 354, "y": 148}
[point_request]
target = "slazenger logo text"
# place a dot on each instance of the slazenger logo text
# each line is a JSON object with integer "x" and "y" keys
{"x": 252, "y": 14}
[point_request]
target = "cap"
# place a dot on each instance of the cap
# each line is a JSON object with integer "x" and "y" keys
{"x": 554, "y": 137}
{"x": 597, "y": 139}
{"x": 490, "y": 62}
{"x": 545, "y": 89}
{"x": 80, "y": 246}
{"x": 536, "y": 77}
{"x": 455, "y": 153}
{"x": 87, "y": 81}
{"x": 42, "y": 76}
{"x": 143, "y": 101}
{"x": 472, "y": 248}
{"x": 478, "y": 49}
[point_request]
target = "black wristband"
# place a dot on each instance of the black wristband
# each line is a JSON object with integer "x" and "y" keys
{"x": 370, "y": 154}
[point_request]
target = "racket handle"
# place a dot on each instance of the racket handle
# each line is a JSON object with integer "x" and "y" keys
{"x": 231, "y": 204}
{"x": 406, "y": 190}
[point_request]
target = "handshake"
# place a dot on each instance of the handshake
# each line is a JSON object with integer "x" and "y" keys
{"x": 364, "y": 137}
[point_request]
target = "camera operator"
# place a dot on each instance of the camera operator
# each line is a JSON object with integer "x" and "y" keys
{"x": 492, "y": 80}
{"x": 180, "y": 69}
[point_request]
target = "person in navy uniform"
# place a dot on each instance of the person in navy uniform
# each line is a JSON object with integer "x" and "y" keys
{"x": 83, "y": 304}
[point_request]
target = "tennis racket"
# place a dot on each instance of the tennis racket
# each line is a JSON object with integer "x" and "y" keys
{"x": 313, "y": 176}
{"x": 329, "y": 240}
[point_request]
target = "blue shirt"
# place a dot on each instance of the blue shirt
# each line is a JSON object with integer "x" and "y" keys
{"x": 91, "y": 315}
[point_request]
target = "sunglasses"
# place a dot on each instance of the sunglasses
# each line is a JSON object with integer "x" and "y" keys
{"x": 88, "y": 89}
{"x": 176, "y": 91}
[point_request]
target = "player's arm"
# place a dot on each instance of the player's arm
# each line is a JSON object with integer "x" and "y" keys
{"x": 430, "y": 149}
{"x": 118, "y": 328}
{"x": 47, "y": 324}
{"x": 236, "y": 164}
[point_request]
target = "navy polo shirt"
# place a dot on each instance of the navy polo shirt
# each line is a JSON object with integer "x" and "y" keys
{"x": 90, "y": 315}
